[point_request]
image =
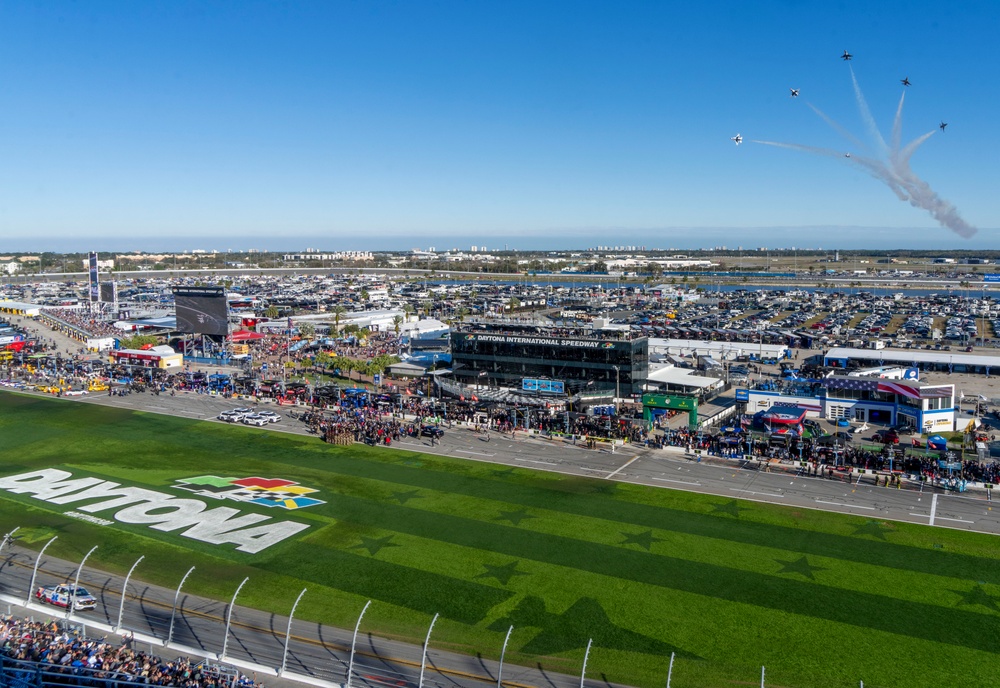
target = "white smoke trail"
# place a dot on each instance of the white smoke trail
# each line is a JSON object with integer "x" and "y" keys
{"x": 895, "y": 171}
{"x": 837, "y": 128}
{"x": 866, "y": 115}
{"x": 897, "y": 125}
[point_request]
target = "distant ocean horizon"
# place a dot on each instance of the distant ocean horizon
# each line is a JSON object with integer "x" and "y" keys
{"x": 678, "y": 239}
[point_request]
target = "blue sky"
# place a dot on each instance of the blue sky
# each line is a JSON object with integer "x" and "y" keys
{"x": 397, "y": 124}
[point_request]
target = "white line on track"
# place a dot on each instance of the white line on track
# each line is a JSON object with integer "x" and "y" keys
{"x": 849, "y": 506}
{"x": 547, "y": 463}
{"x": 682, "y": 482}
{"x": 469, "y": 451}
{"x": 959, "y": 520}
{"x": 596, "y": 470}
{"x": 623, "y": 467}
{"x": 762, "y": 494}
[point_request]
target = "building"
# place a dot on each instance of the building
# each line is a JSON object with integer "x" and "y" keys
{"x": 929, "y": 408}
{"x": 552, "y": 360}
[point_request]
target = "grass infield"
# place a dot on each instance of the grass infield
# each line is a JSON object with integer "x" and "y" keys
{"x": 821, "y": 599}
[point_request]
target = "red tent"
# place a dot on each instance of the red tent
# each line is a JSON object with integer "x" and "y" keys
{"x": 245, "y": 336}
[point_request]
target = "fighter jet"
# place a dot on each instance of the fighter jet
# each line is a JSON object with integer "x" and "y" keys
{"x": 942, "y": 126}
{"x": 738, "y": 139}
{"x": 847, "y": 155}
{"x": 846, "y": 56}
{"x": 905, "y": 81}
{"x": 795, "y": 92}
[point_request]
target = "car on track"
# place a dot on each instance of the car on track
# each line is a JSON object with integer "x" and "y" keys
{"x": 59, "y": 595}
{"x": 271, "y": 416}
{"x": 254, "y": 419}
{"x": 431, "y": 431}
{"x": 229, "y": 416}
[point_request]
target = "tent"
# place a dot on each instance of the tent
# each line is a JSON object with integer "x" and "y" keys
{"x": 245, "y": 336}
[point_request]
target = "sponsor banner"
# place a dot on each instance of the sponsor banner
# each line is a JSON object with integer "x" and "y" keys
{"x": 547, "y": 341}
{"x": 95, "y": 294}
{"x": 190, "y": 518}
{"x": 742, "y": 395}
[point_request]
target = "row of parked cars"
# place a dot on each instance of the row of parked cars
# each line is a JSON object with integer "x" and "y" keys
{"x": 249, "y": 416}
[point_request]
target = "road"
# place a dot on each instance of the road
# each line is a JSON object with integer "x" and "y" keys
{"x": 670, "y": 468}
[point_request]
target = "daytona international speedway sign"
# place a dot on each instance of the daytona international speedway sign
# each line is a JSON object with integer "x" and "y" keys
{"x": 193, "y": 518}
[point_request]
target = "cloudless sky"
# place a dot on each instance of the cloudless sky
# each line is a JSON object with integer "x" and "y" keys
{"x": 395, "y": 124}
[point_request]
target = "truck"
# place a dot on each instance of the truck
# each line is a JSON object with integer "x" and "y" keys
{"x": 60, "y": 595}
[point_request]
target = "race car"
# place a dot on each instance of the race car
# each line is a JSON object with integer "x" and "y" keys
{"x": 59, "y": 596}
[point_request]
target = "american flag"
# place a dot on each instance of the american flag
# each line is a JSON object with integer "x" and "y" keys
{"x": 855, "y": 383}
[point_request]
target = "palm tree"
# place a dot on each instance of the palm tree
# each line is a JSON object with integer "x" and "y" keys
{"x": 397, "y": 320}
{"x": 272, "y": 312}
{"x": 337, "y": 312}
{"x": 365, "y": 295}
{"x": 408, "y": 309}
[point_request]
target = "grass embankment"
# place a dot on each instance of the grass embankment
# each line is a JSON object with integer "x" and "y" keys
{"x": 820, "y": 599}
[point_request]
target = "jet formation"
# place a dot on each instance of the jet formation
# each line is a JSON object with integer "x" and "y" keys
{"x": 888, "y": 162}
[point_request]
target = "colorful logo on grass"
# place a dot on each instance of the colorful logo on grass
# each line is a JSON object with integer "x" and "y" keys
{"x": 285, "y": 494}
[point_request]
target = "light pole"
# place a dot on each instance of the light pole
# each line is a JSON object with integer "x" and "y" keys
{"x": 288, "y": 632}
{"x": 354, "y": 640}
{"x": 423, "y": 657}
{"x": 38, "y": 559}
{"x": 502, "y": 653}
{"x": 617, "y": 381}
{"x": 173, "y": 611}
{"x": 229, "y": 617}
{"x": 76, "y": 582}
{"x": 121, "y": 609}
{"x": 586, "y": 655}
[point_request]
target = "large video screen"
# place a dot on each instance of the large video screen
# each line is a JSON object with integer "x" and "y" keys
{"x": 108, "y": 292}
{"x": 201, "y": 310}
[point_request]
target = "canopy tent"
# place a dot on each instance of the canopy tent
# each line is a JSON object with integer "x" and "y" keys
{"x": 245, "y": 336}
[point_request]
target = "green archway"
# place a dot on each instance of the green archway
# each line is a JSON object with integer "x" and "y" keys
{"x": 677, "y": 402}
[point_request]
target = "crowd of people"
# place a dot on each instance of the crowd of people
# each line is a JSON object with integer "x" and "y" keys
{"x": 76, "y": 659}
{"x": 79, "y": 326}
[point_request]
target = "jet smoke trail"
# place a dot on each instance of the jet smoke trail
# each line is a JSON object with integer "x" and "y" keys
{"x": 837, "y": 128}
{"x": 866, "y": 114}
{"x": 897, "y": 123}
{"x": 895, "y": 171}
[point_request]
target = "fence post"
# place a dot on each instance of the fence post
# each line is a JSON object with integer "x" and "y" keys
{"x": 34, "y": 571}
{"x": 502, "y": 653}
{"x": 288, "y": 632}
{"x": 229, "y": 617}
{"x": 121, "y": 609}
{"x": 423, "y": 657}
{"x": 354, "y": 640}
{"x": 173, "y": 611}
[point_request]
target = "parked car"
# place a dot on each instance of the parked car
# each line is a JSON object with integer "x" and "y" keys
{"x": 60, "y": 595}
{"x": 886, "y": 437}
{"x": 431, "y": 431}
{"x": 271, "y": 416}
{"x": 255, "y": 419}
